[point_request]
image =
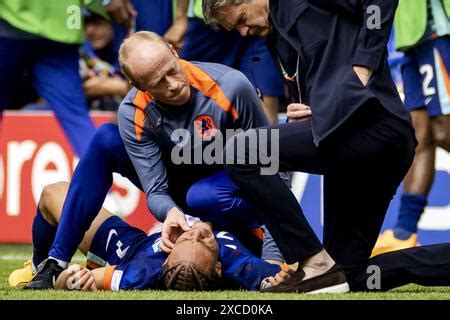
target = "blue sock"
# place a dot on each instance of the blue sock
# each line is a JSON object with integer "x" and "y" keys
{"x": 411, "y": 208}
{"x": 43, "y": 236}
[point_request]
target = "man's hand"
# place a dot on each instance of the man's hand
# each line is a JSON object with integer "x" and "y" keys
{"x": 122, "y": 11}
{"x": 174, "y": 226}
{"x": 364, "y": 74}
{"x": 298, "y": 112}
{"x": 175, "y": 34}
{"x": 76, "y": 277}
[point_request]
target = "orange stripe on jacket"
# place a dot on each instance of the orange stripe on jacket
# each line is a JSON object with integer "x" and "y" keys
{"x": 445, "y": 74}
{"x": 141, "y": 101}
{"x": 107, "y": 277}
{"x": 200, "y": 80}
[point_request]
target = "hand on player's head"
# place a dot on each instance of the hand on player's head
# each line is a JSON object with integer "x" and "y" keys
{"x": 173, "y": 227}
{"x": 193, "y": 263}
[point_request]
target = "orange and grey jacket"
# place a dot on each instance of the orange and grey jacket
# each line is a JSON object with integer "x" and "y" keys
{"x": 221, "y": 98}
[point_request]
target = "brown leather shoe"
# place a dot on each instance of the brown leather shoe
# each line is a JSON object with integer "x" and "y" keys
{"x": 332, "y": 281}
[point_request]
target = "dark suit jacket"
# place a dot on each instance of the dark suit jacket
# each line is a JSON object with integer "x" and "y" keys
{"x": 330, "y": 36}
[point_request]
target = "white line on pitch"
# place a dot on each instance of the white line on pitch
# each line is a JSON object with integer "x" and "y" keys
{"x": 12, "y": 257}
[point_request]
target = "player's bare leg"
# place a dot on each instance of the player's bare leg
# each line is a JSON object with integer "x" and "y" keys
{"x": 420, "y": 176}
{"x": 50, "y": 205}
{"x": 440, "y": 127}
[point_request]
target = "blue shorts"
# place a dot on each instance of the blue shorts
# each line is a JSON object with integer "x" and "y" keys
{"x": 248, "y": 55}
{"x": 116, "y": 243}
{"x": 153, "y": 15}
{"x": 425, "y": 73}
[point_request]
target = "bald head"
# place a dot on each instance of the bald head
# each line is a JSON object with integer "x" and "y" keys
{"x": 140, "y": 52}
{"x": 152, "y": 65}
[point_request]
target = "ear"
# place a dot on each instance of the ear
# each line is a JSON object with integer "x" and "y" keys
{"x": 134, "y": 84}
{"x": 175, "y": 53}
{"x": 219, "y": 269}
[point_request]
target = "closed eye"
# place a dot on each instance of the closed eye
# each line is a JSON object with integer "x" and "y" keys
{"x": 240, "y": 20}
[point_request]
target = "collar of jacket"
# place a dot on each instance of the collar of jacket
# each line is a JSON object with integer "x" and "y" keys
{"x": 283, "y": 15}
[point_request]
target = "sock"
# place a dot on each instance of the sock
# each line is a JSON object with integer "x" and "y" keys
{"x": 411, "y": 208}
{"x": 61, "y": 263}
{"x": 43, "y": 236}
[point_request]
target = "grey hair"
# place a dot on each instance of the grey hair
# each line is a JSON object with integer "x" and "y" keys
{"x": 210, "y": 8}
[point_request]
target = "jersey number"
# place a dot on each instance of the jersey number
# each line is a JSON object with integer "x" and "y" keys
{"x": 428, "y": 73}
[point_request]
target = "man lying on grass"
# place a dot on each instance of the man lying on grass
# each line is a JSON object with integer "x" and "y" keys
{"x": 121, "y": 257}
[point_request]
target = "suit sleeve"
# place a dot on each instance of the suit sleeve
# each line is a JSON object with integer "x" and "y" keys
{"x": 245, "y": 100}
{"x": 372, "y": 41}
{"x": 146, "y": 157}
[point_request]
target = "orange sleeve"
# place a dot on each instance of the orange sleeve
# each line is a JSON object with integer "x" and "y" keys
{"x": 107, "y": 277}
{"x": 284, "y": 267}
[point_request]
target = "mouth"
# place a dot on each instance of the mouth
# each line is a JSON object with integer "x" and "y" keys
{"x": 177, "y": 93}
{"x": 255, "y": 31}
{"x": 260, "y": 32}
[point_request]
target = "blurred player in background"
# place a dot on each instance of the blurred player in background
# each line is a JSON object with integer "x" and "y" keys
{"x": 153, "y": 15}
{"x": 43, "y": 39}
{"x": 422, "y": 31}
{"x": 103, "y": 83}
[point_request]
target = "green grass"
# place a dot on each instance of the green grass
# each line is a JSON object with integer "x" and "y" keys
{"x": 11, "y": 258}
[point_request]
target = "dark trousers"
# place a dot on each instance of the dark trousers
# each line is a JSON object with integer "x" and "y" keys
{"x": 426, "y": 266}
{"x": 363, "y": 163}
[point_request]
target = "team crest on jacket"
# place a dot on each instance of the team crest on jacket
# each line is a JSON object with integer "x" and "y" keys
{"x": 204, "y": 127}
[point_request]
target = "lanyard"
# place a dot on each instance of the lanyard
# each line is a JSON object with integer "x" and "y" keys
{"x": 294, "y": 77}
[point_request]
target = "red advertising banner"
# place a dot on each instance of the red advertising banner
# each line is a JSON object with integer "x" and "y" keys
{"x": 34, "y": 153}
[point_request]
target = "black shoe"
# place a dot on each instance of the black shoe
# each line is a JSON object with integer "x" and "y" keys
{"x": 45, "y": 278}
{"x": 332, "y": 281}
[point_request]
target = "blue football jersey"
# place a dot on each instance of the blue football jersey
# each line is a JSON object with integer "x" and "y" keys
{"x": 134, "y": 260}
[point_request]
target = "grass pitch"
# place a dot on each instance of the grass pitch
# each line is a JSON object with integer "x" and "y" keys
{"x": 13, "y": 256}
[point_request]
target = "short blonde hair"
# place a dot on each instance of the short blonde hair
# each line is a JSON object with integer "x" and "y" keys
{"x": 123, "y": 50}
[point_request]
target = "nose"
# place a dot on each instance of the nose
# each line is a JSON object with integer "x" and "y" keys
{"x": 197, "y": 234}
{"x": 172, "y": 84}
{"x": 243, "y": 30}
